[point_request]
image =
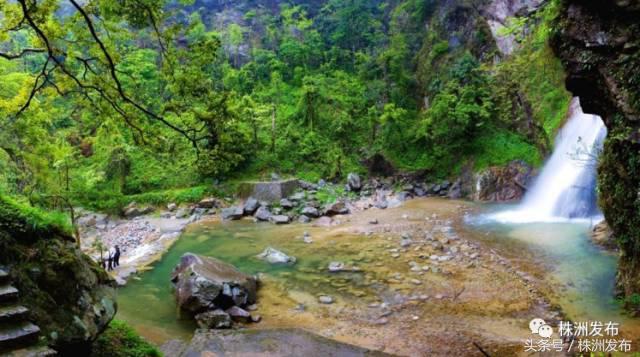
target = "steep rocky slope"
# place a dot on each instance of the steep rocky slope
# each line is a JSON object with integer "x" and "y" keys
{"x": 599, "y": 44}
{"x": 69, "y": 297}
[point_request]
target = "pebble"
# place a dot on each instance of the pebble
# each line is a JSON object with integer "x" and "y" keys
{"x": 325, "y": 299}
{"x": 416, "y": 282}
{"x": 336, "y": 267}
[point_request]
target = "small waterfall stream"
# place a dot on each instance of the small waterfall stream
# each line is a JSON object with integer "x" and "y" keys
{"x": 566, "y": 186}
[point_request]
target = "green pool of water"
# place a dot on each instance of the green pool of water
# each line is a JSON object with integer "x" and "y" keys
{"x": 148, "y": 303}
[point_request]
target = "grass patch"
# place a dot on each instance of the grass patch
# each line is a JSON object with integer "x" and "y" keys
{"x": 499, "y": 147}
{"x": 120, "y": 340}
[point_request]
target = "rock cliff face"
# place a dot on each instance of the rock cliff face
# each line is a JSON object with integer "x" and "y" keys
{"x": 599, "y": 45}
{"x": 499, "y": 12}
{"x": 69, "y": 297}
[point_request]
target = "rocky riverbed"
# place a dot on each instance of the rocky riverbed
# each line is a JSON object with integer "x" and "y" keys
{"x": 142, "y": 239}
{"x": 408, "y": 280}
{"x": 414, "y": 286}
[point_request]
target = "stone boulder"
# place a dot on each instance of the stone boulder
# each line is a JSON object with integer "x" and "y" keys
{"x": 310, "y": 212}
{"x": 133, "y": 211}
{"x": 353, "y": 182}
{"x": 250, "y": 206}
{"x": 263, "y": 214}
{"x": 216, "y": 319}
{"x": 209, "y": 202}
{"x": 338, "y": 207}
{"x": 602, "y": 235}
{"x": 286, "y": 203}
{"x": 206, "y": 284}
{"x": 280, "y": 219}
{"x": 232, "y": 213}
{"x": 274, "y": 256}
{"x": 503, "y": 184}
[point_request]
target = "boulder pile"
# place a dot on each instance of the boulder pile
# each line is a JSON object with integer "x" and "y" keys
{"x": 214, "y": 292}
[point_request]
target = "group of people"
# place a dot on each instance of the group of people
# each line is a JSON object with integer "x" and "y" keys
{"x": 112, "y": 260}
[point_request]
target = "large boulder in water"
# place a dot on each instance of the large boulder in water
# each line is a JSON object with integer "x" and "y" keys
{"x": 204, "y": 284}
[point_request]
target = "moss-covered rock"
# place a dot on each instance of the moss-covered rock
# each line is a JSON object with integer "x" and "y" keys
{"x": 598, "y": 43}
{"x": 70, "y": 297}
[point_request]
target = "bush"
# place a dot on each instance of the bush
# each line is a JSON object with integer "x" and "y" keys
{"x": 120, "y": 340}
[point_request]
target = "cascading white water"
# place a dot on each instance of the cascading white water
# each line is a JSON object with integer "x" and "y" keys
{"x": 565, "y": 189}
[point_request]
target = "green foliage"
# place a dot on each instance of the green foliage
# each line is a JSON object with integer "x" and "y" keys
{"x": 26, "y": 222}
{"x": 459, "y": 112}
{"x": 497, "y": 147}
{"x": 120, "y": 340}
{"x": 305, "y": 90}
{"x": 538, "y": 74}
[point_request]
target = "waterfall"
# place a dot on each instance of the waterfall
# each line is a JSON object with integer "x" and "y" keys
{"x": 566, "y": 186}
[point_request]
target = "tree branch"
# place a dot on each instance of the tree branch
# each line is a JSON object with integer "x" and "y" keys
{"x": 22, "y": 53}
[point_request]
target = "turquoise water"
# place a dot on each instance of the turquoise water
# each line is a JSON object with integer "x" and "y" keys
{"x": 580, "y": 273}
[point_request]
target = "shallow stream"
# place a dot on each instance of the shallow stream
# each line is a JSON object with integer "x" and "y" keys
{"x": 580, "y": 276}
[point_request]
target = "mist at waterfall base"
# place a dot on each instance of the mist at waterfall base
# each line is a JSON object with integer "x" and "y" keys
{"x": 566, "y": 186}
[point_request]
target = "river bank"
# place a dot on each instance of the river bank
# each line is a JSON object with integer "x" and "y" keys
{"x": 143, "y": 240}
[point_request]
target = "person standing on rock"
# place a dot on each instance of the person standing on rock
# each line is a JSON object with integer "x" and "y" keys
{"x": 116, "y": 257}
{"x": 110, "y": 260}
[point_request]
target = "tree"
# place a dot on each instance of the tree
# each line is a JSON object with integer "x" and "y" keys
{"x": 459, "y": 111}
